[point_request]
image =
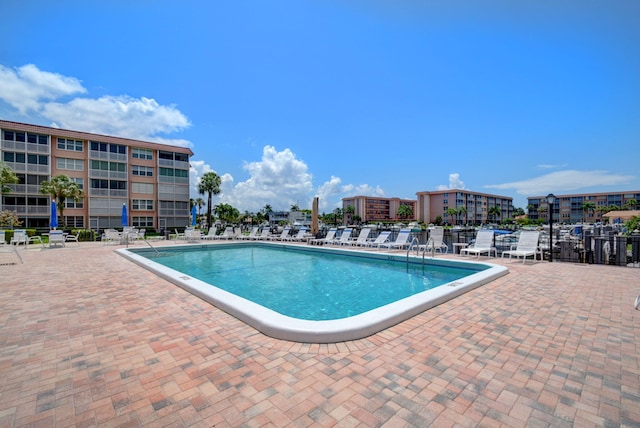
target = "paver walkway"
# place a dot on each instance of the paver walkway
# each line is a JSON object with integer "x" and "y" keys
{"x": 89, "y": 339}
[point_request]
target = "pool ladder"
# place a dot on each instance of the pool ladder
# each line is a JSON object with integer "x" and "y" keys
{"x": 417, "y": 242}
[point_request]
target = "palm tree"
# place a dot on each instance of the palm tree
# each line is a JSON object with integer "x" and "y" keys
{"x": 7, "y": 176}
{"x": 405, "y": 211}
{"x": 494, "y": 211}
{"x": 199, "y": 203}
{"x": 630, "y": 204}
{"x": 295, "y": 207}
{"x": 462, "y": 211}
{"x": 209, "y": 185}
{"x": 587, "y": 207}
{"x": 349, "y": 212}
{"x": 61, "y": 188}
{"x": 452, "y": 212}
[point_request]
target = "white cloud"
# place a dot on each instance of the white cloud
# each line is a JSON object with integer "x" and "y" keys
{"x": 280, "y": 180}
{"x": 25, "y": 87}
{"x": 30, "y": 90}
{"x": 564, "y": 181}
{"x": 454, "y": 182}
{"x": 552, "y": 166}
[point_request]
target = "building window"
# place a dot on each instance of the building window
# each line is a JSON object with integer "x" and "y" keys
{"x": 145, "y": 171}
{"x": 70, "y": 164}
{"x": 142, "y": 188}
{"x": 105, "y": 147}
{"x": 71, "y": 203}
{"x": 108, "y": 166}
{"x": 37, "y": 159}
{"x": 141, "y": 153}
{"x": 142, "y": 221}
{"x": 171, "y": 172}
{"x": 71, "y": 145}
{"x": 142, "y": 204}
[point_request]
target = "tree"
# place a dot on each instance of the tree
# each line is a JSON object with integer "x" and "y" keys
{"x": 226, "y": 213}
{"x": 405, "y": 211}
{"x": 200, "y": 203}
{"x": 349, "y": 212}
{"x": 295, "y": 207}
{"x": 587, "y": 207}
{"x": 452, "y": 212}
{"x": 210, "y": 185}
{"x": 267, "y": 210}
{"x": 630, "y": 204}
{"x": 462, "y": 211}
{"x": 61, "y": 188}
{"x": 337, "y": 213}
{"x": 7, "y": 176}
{"x": 494, "y": 212}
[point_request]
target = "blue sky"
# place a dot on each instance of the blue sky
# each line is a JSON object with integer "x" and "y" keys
{"x": 287, "y": 100}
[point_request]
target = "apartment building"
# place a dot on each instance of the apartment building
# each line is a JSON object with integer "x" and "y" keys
{"x": 151, "y": 179}
{"x": 372, "y": 209}
{"x": 570, "y": 208}
{"x": 478, "y": 207}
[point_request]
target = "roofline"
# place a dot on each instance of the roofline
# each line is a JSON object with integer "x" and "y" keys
{"x": 87, "y": 135}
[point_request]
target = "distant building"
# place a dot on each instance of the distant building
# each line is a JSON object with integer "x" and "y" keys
{"x": 373, "y": 209}
{"x": 570, "y": 208}
{"x": 432, "y": 205}
{"x": 151, "y": 179}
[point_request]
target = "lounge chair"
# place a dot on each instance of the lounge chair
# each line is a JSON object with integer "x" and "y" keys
{"x": 526, "y": 246}
{"x": 331, "y": 234}
{"x": 20, "y": 236}
{"x": 2, "y": 238}
{"x": 211, "y": 234}
{"x": 345, "y": 237}
{"x": 382, "y": 238}
{"x": 283, "y": 236}
{"x": 227, "y": 234}
{"x": 301, "y": 235}
{"x": 482, "y": 244}
{"x": 192, "y": 235}
{"x": 435, "y": 243}
{"x": 401, "y": 242}
{"x": 251, "y": 235}
{"x": 362, "y": 239}
{"x": 56, "y": 237}
{"x": 265, "y": 233}
{"x": 6, "y": 248}
{"x": 70, "y": 237}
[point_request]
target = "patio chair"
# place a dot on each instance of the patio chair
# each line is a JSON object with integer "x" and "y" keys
{"x": 227, "y": 234}
{"x": 382, "y": 238}
{"x": 331, "y": 234}
{"x": 251, "y": 235}
{"x": 526, "y": 246}
{"x": 192, "y": 235}
{"x": 301, "y": 235}
{"x": 401, "y": 242}
{"x": 435, "y": 243}
{"x": 482, "y": 244}
{"x": 70, "y": 237}
{"x": 2, "y": 238}
{"x": 344, "y": 239}
{"x": 362, "y": 238}
{"x": 283, "y": 236}
{"x": 265, "y": 233}
{"x": 56, "y": 237}
{"x": 20, "y": 236}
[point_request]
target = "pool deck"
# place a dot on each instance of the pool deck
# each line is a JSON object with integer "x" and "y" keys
{"x": 88, "y": 338}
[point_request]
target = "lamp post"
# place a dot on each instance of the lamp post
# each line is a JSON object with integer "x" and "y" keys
{"x": 551, "y": 198}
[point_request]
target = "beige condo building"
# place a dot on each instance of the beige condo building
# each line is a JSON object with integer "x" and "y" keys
{"x": 151, "y": 179}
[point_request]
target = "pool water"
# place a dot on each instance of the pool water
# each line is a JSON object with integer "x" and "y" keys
{"x": 313, "y": 294}
{"x": 309, "y": 285}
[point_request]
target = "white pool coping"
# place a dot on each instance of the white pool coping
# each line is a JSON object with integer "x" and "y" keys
{"x": 359, "y": 326}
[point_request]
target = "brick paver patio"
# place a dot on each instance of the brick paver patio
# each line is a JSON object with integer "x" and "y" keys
{"x": 91, "y": 339}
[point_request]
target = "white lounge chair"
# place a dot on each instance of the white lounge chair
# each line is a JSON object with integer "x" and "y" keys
{"x": 362, "y": 239}
{"x": 526, "y": 246}
{"x": 252, "y": 235}
{"x": 6, "y": 248}
{"x": 435, "y": 243}
{"x": 227, "y": 234}
{"x": 401, "y": 242}
{"x": 192, "y": 235}
{"x": 20, "y": 236}
{"x": 265, "y": 233}
{"x": 210, "y": 235}
{"x": 56, "y": 237}
{"x": 70, "y": 237}
{"x": 345, "y": 237}
{"x": 382, "y": 238}
{"x": 301, "y": 235}
{"x": 283, "y": 236}
{"x": 331, "y": 234}
{"x": 482, "y": 244}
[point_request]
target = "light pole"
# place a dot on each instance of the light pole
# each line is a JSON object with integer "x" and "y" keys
{"x": 551, "y": 198}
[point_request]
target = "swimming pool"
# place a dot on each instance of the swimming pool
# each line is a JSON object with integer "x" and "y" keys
{"x": 310, "y": 294}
